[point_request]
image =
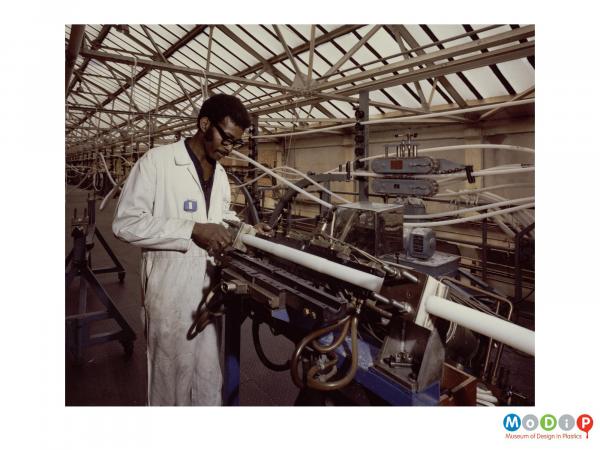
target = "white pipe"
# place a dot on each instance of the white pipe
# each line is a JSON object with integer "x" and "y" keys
{"x": 402, "y": 119}
{"x": 283, "y": 180}
{"x": 107, "y": 171}
{"x": 322, "y": 265}
{"x": 524, "y": 217}
{"x": 458, "y": 212}
{"x": 468, "y": 219}
{"x": 527, "y": 215}
{"x": 314, "y": 183}
{"x": 516, "y": 148}
{"x": 442, "y": 178}
{"x": 449, "y": 113}
{"x": 297, "y": 133}
{"x": 485, "y": 189}
{"x": 112, "y": 192}
{"x": 498, "y": 329}
{"x": 457, "y": 147}
{"x": 481, "y": 173}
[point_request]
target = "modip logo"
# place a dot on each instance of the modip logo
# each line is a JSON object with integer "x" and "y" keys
{"x": 547, "y": 423}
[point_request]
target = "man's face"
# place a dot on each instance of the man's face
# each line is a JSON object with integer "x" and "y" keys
{"x": 219, "y": 143}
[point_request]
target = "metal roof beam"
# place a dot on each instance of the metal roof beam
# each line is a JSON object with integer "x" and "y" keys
{"x": 96, "y": 43}
{"x": 351, "y": 52}
{"x": 189, "y": 36}
{"x": 427, "y": 59}
{"x": 504, "y": 54}
{"x": 523, "y": 94}
{"x": 73, "y": 48}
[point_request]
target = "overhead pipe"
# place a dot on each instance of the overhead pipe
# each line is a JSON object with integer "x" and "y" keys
{"x": 73, "y": 48}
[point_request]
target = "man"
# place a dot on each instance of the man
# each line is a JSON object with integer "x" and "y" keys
{"x": 173, "y": 205}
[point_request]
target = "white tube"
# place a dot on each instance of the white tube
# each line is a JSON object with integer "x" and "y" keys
{"x": 482, "y": 173}
{"x": 449, "y": 113}
{"x": 297, "y": 133}
{"x": 468, "y": 219}
{"x": 458, "y": 212}
{"x": 280, "y": 178}
{"x": 322, "y": 265}
{"x": 458, "y": 147}
{"x": 314, "y": 183}
{"x": 107, "y": 171}
{"x": 498, "y": 329}
{"x": 442, "y": 178}
{"x": 516, "y": 148}
{"x": 485, "y": 189}
{"x": 402, "y": 119}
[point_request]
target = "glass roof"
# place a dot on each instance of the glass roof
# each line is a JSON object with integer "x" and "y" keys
{"x": 129, "y": 77}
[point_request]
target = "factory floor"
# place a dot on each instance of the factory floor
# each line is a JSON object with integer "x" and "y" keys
{"x": 107, "y": 377}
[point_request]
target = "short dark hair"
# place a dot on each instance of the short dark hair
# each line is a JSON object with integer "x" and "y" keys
{"x": 219, "y": 106}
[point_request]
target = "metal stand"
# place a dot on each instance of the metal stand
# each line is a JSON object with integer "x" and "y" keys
{"x": 78, "y": 334}
{"x": 91, "y": 221}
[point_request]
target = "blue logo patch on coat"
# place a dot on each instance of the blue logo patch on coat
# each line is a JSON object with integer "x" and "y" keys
{"x": 190, "y": 206}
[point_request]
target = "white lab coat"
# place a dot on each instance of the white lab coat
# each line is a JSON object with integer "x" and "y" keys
{"x": 156, "y": 212}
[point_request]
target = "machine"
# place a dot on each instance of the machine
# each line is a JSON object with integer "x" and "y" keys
{"x": 355, "y": 312}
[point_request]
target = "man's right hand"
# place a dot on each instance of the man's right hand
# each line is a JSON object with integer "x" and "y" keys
{"x": 212, "y": 237}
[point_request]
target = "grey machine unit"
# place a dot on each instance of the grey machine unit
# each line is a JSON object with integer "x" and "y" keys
{"x": 378, "y": 228}
{"x": 421, "y": 243}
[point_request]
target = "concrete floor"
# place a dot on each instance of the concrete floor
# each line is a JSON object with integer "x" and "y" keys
{"x": 106, "y": 377}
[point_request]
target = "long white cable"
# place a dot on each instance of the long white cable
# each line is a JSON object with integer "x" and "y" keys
{"x": 480, "y": 173}
{"x": 402, "y": 119}
{"x": 283, "y": 180}
{"x": 449, "y": 113}
{"x": 114, "y": 183}
{"x": 314, "y": 183}
{"x": 262, "y": 175}
{"x": 485, "y": 189}
{"x": 468, "y": 219}
{"x": 442, "y": 178}
{"x": 109, "y": 196}
{"x": 80, "y": 183}
{"x": 458, "y": 212}
{"x": 458, "y": 147}
{"x": 523, "y": 218}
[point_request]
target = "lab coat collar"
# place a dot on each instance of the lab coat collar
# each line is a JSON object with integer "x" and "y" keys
{"x": 181, "y": 155}
{"x": 182, "y": 158}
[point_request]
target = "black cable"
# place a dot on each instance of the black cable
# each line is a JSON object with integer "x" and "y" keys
{"x": 261, "y": 354}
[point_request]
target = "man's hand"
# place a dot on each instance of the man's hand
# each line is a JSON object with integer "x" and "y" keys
{"x": 212, "y": 237}
{"x": 263, "y": 229}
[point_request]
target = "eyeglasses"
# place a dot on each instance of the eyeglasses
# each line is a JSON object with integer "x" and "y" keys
{"x": 228, "y": 141}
